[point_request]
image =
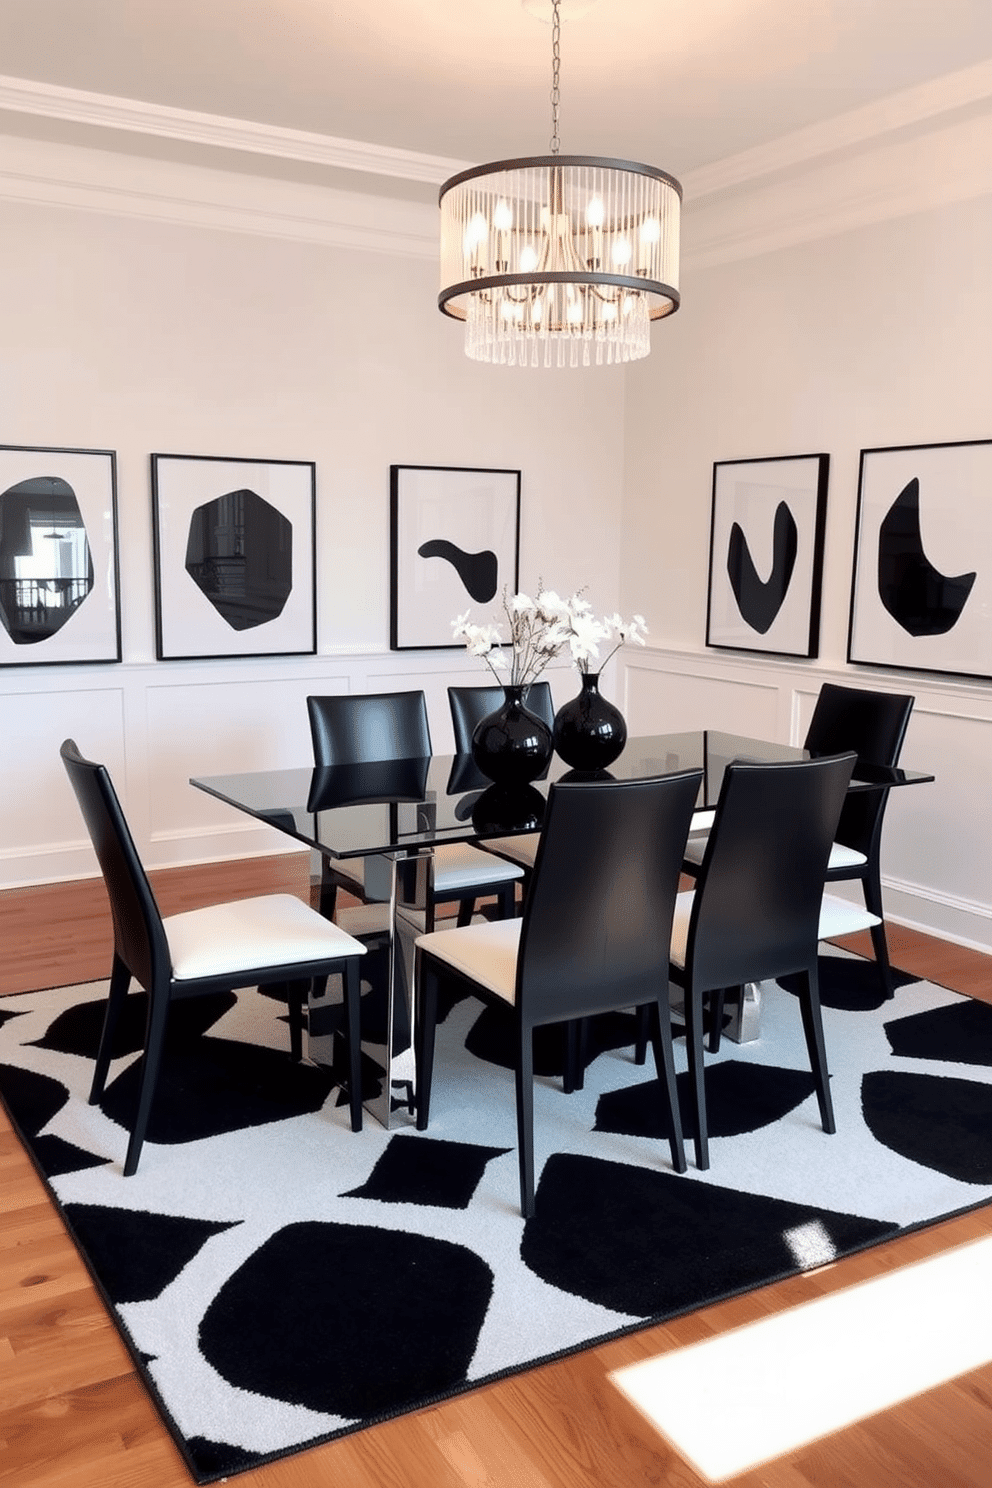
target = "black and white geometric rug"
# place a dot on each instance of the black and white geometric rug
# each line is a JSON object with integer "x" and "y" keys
{"x": 282, "y": 1281}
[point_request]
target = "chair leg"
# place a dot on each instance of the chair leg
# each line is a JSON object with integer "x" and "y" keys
{"x": 466, "y": 908}
{"x": 506, "y": 898}
{"x": 327, "y": 903}
{"x": 158, "y": 1010}
{"x": 694, "y": 1048}
{"x": 353, "y": 1033}
{"x": 717, "y": 999}
{"x": 525, "y": 1117}
{"x": 571, "y": 1056}
{"x": 120, "y": 980}
{"x": 296, "y": 996}
{"x": 425, "y": 980}
{"x": 813, "y": 1028}
{"x": 664, "y": 1060}
{"x": 576, "y": 1051}
{"x": 641, "y": 1038}
{"x": 872, "y": 886}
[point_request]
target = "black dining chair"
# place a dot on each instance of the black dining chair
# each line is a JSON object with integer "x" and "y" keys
{"x": 594, "y": 936}
{"x": 361, "y": 728}
{"x": 469, "y": 706}
{"x": 269, "y": 940}
{"x": 756, "y": 909}
{"x": 874, "y": 725}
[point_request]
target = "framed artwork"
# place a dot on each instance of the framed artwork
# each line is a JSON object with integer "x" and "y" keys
{"x": 59, "y": 570}
{"x": 921, "y": 592}
{"x": 454, "y": 544}
{"x": 766, "y": 554}
{"x": 234, "y": 557}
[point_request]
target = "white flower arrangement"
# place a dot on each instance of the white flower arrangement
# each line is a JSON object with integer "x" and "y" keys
{"x": 542, "y": 629}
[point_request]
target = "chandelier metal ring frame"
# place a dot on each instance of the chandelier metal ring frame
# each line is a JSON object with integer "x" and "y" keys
{"x": 559, "y": 258}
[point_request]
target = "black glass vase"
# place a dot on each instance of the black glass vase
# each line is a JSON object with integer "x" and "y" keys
{"x": 589, "y": 731}
{"x": 512, "y": 745}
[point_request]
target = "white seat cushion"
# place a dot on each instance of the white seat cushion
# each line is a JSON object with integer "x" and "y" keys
{"x": 246, "y": 934}
{"x": 487, "y": 953}
{"x": 846, "y": 857}
{"x": 459, "y": 865}
{"x": 680, "y": 926}
{"x": 840, "y": 856}
{"x": 837, "y": 917}
{"x": 522, "y": 849}
{"x": 841, "y": 917}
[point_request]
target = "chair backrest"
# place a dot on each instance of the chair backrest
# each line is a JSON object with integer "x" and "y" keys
{"x": 359, "y": 727}
{"x": 756, "y": 909}
{"x": 139, "y": 936}
{"x": 597, "y": 924}
{"x": 470, "y": 705}
{"x": 874, "y": 725}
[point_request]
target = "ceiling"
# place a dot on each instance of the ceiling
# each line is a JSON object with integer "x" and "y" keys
{"x": 677, "y": 83}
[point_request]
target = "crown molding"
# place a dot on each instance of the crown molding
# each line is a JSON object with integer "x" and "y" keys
{"x": 40, "y": 173}
{"x": 903, "y": 110}
{"x": 895, "y": 179}
{"x": 73, "y": 105}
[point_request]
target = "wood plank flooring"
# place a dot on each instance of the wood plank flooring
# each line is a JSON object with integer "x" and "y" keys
{"x": 73, "y": 1413}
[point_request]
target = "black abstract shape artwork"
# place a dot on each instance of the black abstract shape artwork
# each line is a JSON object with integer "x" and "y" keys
{"x": 918, "y": 596}
{"x": 239, "y": 553}
{"x": 477, "y": 571}
{"x": 759, "y": 600}
{"x": 46, "y": 568}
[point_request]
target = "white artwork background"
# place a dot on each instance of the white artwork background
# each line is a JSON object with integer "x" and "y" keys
{"x": 956, "y": 530}
{"x": 91, "y": 633}
{"x": 476, "y": 510}
{"x": 749, "y": 494}
{"x": 190, "y": 624}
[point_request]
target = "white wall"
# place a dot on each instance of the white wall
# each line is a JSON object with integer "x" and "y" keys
{"x": 126, "y": 331}
{"x": 871, "y": 337}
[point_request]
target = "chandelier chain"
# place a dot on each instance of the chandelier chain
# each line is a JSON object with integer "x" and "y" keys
{"x": 555, "y": 71}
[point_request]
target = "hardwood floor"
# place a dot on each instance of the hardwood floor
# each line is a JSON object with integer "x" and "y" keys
{"x": 73, "y": 1413}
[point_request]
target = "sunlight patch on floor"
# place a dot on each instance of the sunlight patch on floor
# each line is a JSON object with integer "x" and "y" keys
{"x": 734, "y": 1401}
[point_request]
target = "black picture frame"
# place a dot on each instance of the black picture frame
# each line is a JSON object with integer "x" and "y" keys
{"x": 921, "y": 582}
{"x": 454, "y": 546}
{"x": 235, "y": 557}
{"x": 768, "y": 517}
{"x": 59, "y": 558}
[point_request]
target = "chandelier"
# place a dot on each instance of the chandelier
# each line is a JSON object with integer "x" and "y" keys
{"x": 559, "y": 259}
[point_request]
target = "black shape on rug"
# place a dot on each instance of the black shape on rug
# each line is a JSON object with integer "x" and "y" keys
{"x": 491, "y": 1038}
{"x": 218, "y": 1085}
{"x": 32, "y": 1099}
{"x": 5, "y": 1016}
{"x": 943, "y": 1123}
{"x": 651, "y": 1243}
{"x": 740, "y": 1098}
{"x": 134, "y": 1253}
{"x": 78, "y": 1029}
{"x": 217, "y": 1459}
{"x": 348, "y": 1319}
{"x": 849, "y": 985}
{"x": 958, "y": 1034}
{"x": 427, "y": 1170}
{"x": 57, "y": 1157}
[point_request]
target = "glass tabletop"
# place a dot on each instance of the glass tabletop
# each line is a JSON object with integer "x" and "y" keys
{"x": 401, "y": 805}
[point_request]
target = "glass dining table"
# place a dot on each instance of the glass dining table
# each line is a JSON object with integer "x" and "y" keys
{"x": 393, "y": 814}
